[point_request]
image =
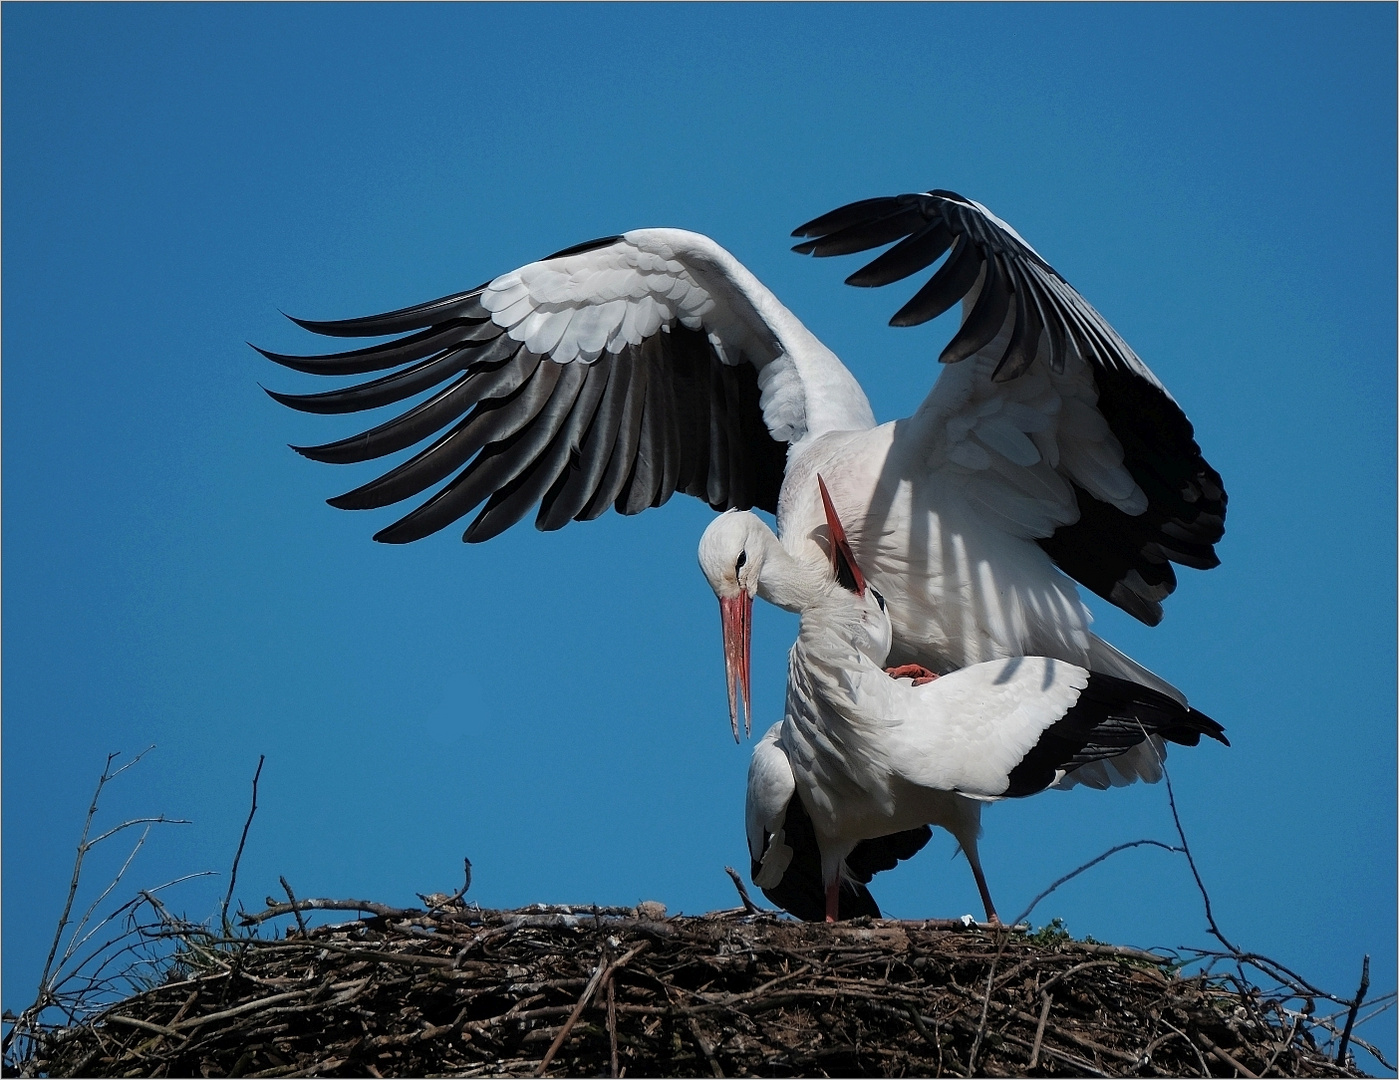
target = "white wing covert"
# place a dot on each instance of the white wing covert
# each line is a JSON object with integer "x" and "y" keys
{"x": 613, "y": 373}
{"x": 1010, "y": 728}
{"x": 1056, "y": 429}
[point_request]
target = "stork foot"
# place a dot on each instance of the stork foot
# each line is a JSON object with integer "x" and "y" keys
{"x": 833, "y": 901}
{"x": 917, "y": 672}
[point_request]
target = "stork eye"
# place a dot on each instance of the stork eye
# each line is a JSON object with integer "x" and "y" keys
{"x": 742, "y": 559}
{"x": 878, "y": 597}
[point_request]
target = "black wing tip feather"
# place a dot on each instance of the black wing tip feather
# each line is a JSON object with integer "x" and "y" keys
{"x": 585, "y": 246}
{"x": 527, "y": 459}
{"x": 1124, "y": 559}
{"x": 398, "y": 321}
{"x": 1111, "y": 716}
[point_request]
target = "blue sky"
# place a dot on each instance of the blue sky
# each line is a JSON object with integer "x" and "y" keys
{"x": 1218, "y": 181}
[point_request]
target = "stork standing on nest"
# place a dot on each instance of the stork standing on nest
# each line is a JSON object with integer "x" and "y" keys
{"x": 863, "y": 754}
{"x": 617, "y": 372}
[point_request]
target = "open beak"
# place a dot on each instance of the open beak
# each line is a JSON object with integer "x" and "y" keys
{"x": 736, "y": 614}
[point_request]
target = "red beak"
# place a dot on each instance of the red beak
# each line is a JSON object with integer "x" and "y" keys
{"x": 736, "y": 614}
{"x": 843, "y": 564}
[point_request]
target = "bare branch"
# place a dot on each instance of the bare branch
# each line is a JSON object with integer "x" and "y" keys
{"x": 233, "y": 873}
{"x": 159, "y": 820}
{"x": 83, "y": 848}
{"x": 275, "y": 910}
{"x": 748, "y": 905}
{"x": 300, "y": 922}
{"x": 1354, "y": 1008}
{"x": 1088, "y": 866}
{"x": 1194, "y": 870}
{"x": 73, "y": 943}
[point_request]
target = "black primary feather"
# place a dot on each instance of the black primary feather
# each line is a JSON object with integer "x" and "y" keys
{"x": 1123, "y": 558}
{"x": 1111, "y": 716}
{"x": 625, "y": 431}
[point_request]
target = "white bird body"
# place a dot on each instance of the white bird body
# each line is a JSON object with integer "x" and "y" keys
{"x": 968, "y": 590}
{"x": 871, "y": 755}
{"x": 617, "y": 372}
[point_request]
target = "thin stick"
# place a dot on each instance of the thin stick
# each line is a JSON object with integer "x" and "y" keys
{"x": 986, "y": 1001}
{"x": 295, "y": 910}
{"x": 73, "y": 943}
{"x": 1185, "y": 847}
{"x": 1224, "y": 1056}
{"x": 587, "y": 994}
{"x": 612, "y": 1025}
{"x": 1283, "y": 1045}
{"x": 160, "y": 820}
{"x": 465, "y": 885}
{"x": 1039, "y": 1032}
{"x": 107, "y": 774}
{"x": 748, "y": 905}
{"x": 705, "y": 1049}
{"x": 603, "y": 969}
{"x": 276, "y": 910}
{"x": 1089, "y": 865}
{"x": 233, "y": 873}
{"x": 1354, "y": 1008}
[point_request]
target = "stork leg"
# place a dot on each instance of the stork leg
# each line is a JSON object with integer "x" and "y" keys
{"x": 833, "y": 900}
{"x": 917, "y": 672}
{"x": 974, "y": 861}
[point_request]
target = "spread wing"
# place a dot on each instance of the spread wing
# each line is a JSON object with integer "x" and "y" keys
{"x": 611, "y": 374}
{"x": 1055, "y": 428}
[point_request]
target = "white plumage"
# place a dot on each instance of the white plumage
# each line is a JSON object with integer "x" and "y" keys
{"x": 870, "y": 755}
{"x": 620, "y": 371}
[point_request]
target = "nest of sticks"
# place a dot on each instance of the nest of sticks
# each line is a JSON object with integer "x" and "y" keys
{"x": 454, "y": 990}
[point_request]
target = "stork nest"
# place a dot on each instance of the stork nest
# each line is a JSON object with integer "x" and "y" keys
{"x": 453, "y": 990}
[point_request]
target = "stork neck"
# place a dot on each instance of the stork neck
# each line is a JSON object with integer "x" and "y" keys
{"x": 791, "y": 583}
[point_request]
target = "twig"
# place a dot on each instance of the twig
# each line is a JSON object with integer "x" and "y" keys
{"x": 598, "y": 973}
{"x": 1204, "y": 1069}
{"x": 465, "y": 885}
{"x": 1226, "y": 1057}
{"x": 83, "y": 848}
{"x": 276, "y": 910}
{"x": 748, "y": 905}
{"x": 73, "y": 943}
{"x": 233, "y": 873}
{"x": 705, "y": 1048}
{"x": 1189, "y": 858}
{"x": 131, "y": 1021}
{"x": 986, "y": 1003}
{"x": 612, "y": 1026}
{"x": 1088, "y": 866}
{"x": 1283, "y": 1045}
{"x": 1039, "y": 1031}
{"x": 1354, "y": 1008}
{"x": 604, "y": 968}
{"x": 300, "y": 922}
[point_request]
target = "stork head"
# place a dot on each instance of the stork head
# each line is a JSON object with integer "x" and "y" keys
{"x": 731, "y": 554}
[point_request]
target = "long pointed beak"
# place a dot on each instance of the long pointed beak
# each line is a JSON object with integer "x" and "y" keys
{"x": 736, "y": 614}
{"x": 843, "y": 564}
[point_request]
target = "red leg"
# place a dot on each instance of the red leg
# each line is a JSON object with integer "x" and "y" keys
{"x": 833, "y": 901}
{"x": 991, "y": 915}
{"x": 917, "y": 672}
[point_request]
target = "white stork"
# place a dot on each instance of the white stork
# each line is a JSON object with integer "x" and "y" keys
{"x": 860, "y": 755}
{"x": 616, "y": 372}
